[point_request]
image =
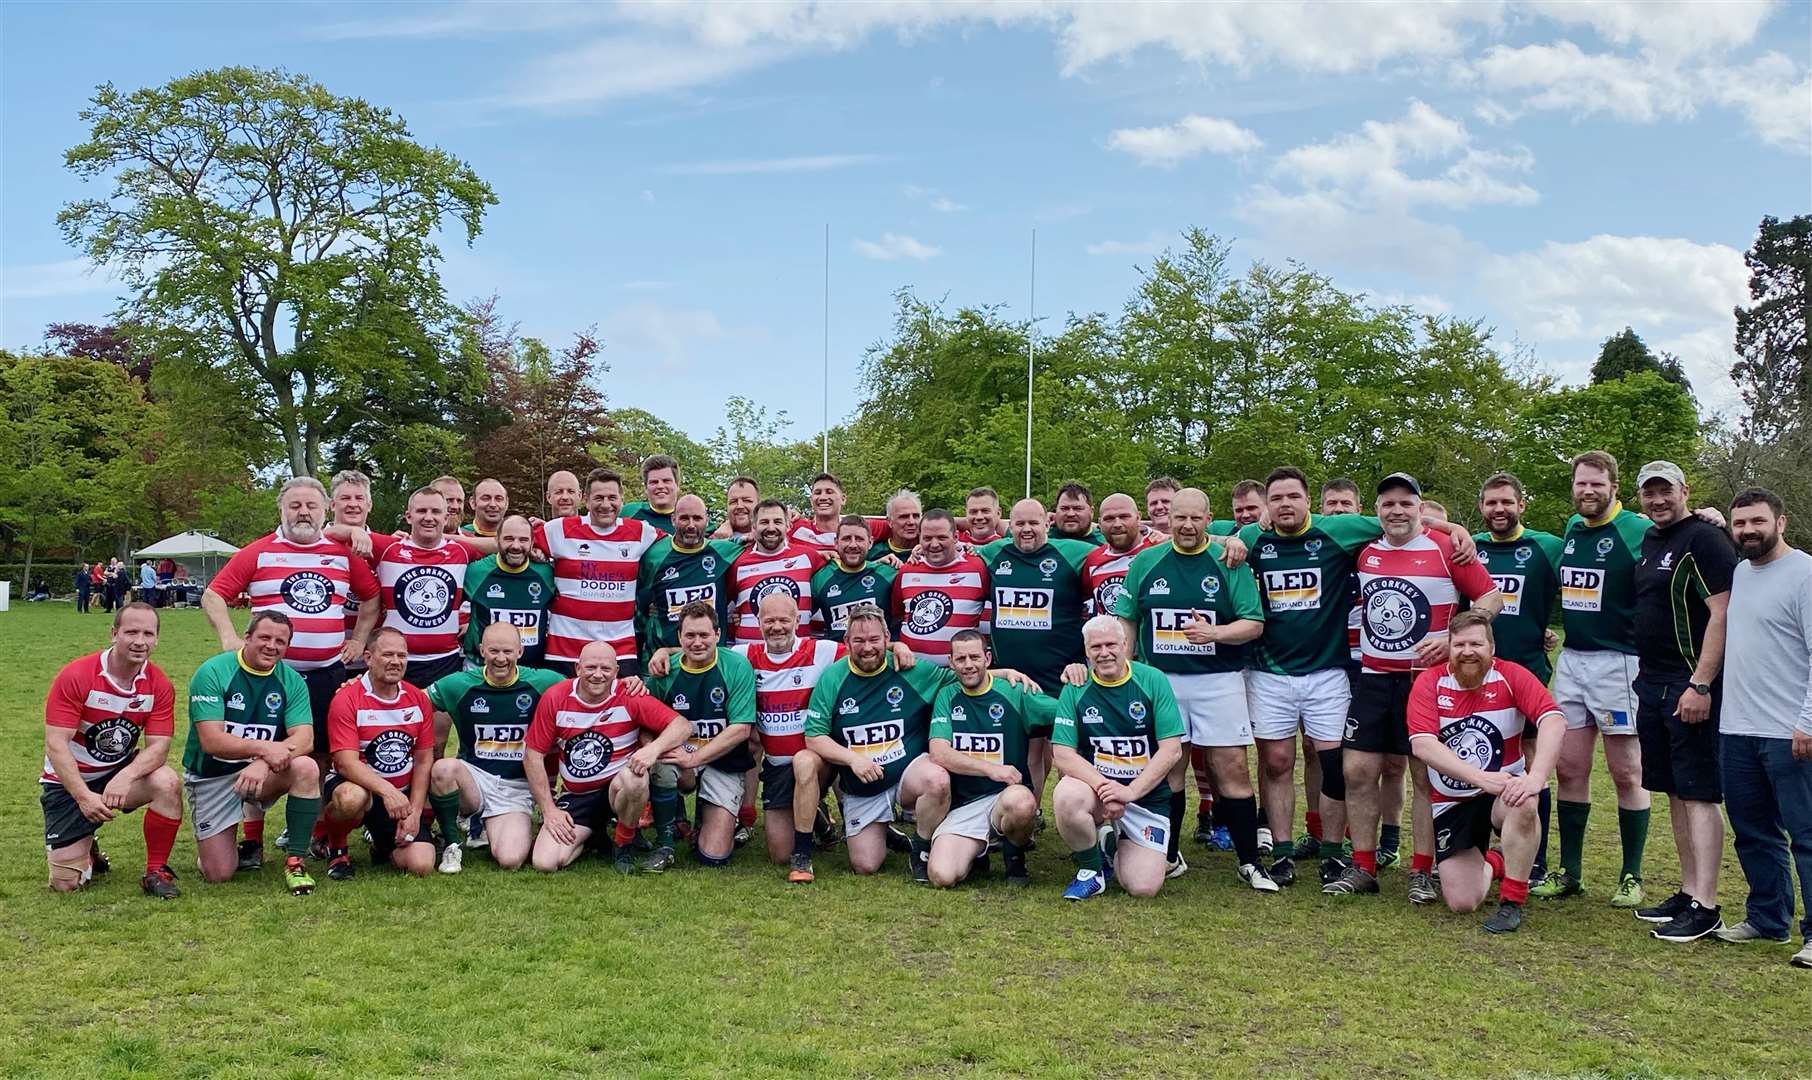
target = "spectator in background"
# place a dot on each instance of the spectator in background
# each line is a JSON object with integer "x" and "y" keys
{"x": 147, "y": 584}
{"x": 84, "y": 583}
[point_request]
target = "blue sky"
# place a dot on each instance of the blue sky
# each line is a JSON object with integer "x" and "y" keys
{"x": 666, "y": 171}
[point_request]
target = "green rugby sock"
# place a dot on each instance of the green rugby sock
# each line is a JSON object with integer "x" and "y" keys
{"x": 1632, "y": 827}
{"x": 1089, "y": 858}
{"x": 299, "y": 815}
{"x": 664, "y": 802}
{"x": 1572, "y": 836}
{"x": 446, "y": 811}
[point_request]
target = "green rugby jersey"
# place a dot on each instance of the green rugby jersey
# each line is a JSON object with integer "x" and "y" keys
{"x": 518, "y": 597}
{"x": 991, "y": 725}
{"x": 713, "y": 698}
{"x": 253, "y": 705}
{"x": 880, "y": 549}
{"x": 642, "y": 511}
{"x": 1166, "y": 586}
{"x": 836, "y": 592}
{"x": 1598, "y": 580}
{"x": 470, "y": 528}
{"x": 1526, "y": 568}
{"x": 884, "y": 716}
{"x": 671, "y": 577}
{"x": 492, "y": 720}
{"x": 1305, "y": 580}
{"x": 1116, "y": 727}
{"x": 1038, "y": 604}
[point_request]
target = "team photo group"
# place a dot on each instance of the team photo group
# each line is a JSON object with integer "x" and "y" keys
{"x": 927, "y": 682}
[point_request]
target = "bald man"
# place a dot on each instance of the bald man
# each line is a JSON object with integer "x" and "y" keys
{"x": 563, "y": 494}
{"x": 490, "y": 504}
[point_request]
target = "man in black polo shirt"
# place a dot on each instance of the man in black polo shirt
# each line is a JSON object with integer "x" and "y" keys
{"x": 1681, "y": 592}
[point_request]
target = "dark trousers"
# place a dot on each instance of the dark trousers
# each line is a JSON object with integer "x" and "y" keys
{"x": 81, "y": 600}
{"x": 1768, "y": 796}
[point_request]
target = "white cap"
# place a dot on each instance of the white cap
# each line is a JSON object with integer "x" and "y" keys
{"x": 1661, "y": 470}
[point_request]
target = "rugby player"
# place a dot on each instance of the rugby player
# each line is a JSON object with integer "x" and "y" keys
{"x": 94, "y": 769}
{"x": 1467, "y": 718}
{"x": 772, "y": 563}
{"x": 1075, "y": 515}
{"x": 1115, "y": 740}
{"x": 826, "y": 500}
{"x": 510, "y": 588}
{"x": 1594, "y": 679}
{"x": 608, "y": 742}
{"x": 740, "y": 498}
{"x": 563, "y": 494}
{"x": 251, "y": 731}
{"x": 597, "y": 560}
{"x": 1104, "y": 571}
{"x": 1158, "y": 494}
{"x": 1248, "y": 503}
{"x": 490, "y": 505}
{"x": 1410, "y": 584}
{"x": 1191, "y": 618}
{"x": 455, "y": 493}
{"x": 660, "y": 486}
{"x": 380, "y": 729}
{"x": 1682, "y": 594}
{"x": 904, "y": 512}
{"x": 980, "y": 730}
{"x": 981, "y": 518}
{"x": 423, "y": 580}
{"x": 491, "y": 709}
{"x": 713, "y": 688}
{"x": 942, "y": 589}
{"x": 849, "y": 581}
{"x": 681, "y": 569}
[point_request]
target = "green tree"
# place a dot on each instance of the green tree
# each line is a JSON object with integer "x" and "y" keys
{"x": 270, "y": 229}
{"x": 1624, "y": 354}
{"x": 1638, "y": 419}
{"x": 1773, "y": 438}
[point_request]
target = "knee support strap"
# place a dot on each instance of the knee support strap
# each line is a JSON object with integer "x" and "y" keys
{"x": 1333, "y": 774}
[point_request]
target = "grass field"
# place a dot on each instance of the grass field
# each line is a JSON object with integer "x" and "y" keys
{"x": 695, "y": 973}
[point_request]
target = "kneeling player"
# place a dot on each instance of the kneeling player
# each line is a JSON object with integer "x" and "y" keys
{"x": 979, "y": 734}
{"x": 714, "y": 689}
{"x": 251, "y": 732}
{"x": 595, "y": 724}
{"x": 381, "y": 732}
{"x": 1466, "y": 722}
{"x": 1115, "y": 740}
{"x": 491, "y": 709}
{"x": 97, "y": 708}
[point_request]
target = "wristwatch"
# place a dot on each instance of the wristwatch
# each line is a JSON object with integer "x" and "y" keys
{"x": 1701, "y": 687}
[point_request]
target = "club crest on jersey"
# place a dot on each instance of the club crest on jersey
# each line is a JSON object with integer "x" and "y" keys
{"x": 1047, "y": 566}
{"x": 681, "y": 703}
{"x": 895, "y": 695}
{"x": 1211, "y": 586}
{"x": 495, "y": 592}
{"x": 868, "y": 581}
{"x": 1160, "y": 587}
{"x": 424, "y": 596}
{"x": 1313, "y": 547}
{"x": 717, "y": 695}
{"x": 525, "y": 702}
{"x": 1524, "y": 554}
{"x": 777, "y": 583}
{"x": 390, "y": 753}
{"x": 588, "y": 754}
{"x": 1476, "y": 741}
{"x": 236, "y": 702}
{"x": 1396, "y": 613}
{"x": 930, "y": 611}
{"x": 995, "y": 711}
{"x": 798, "y": 679}
{"x": 1605, "y": 544}
{"x": 623, "y": 550}
{"x": 709, "y": 563}
{"x": 480, "y": 705}
{"x": 534, "y": 590}
{"x": 111, "y": 740}
{"x": 1136, "y": 710}
{"x": 307, "y": 592}
{"x": 273, "y": 701}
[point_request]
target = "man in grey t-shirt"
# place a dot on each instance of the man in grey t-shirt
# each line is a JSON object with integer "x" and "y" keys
{"x": 1767, "y": 721}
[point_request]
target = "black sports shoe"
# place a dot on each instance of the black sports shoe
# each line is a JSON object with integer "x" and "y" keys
{"x": 1690, "y": 925}
{"x": 896, "y": 838}
{"x": 1283, "y": 871}
{"x": 1505, "y": 919}
{"x": 98, "y": 863}
{"x": 251, "y": 855}
{"x": 1352, "y": 881}
{"x": 1331, "y": 870}
{"x": 920, "y": 865}
{"x": 1204, "y": 832}
{"x": 339, "y": 865}
{"x": 1667, "y": 910}
{"x": 978, "y": 869}
{"x": 160, "y": 883}
{"x": 1016, "y": 871}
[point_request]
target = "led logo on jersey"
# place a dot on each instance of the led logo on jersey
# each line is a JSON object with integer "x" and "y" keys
{"x": 1293, "y": 590}
{"x": 983, "y": 746}
{"x": 1510, "y": 586}
{"x": 1023, "y": 609}
{"x": 1581, "y": 588}
{"x": 1168, "y": 636}
{"x": 882, "y": 743}
{"x": 307, "y": 592}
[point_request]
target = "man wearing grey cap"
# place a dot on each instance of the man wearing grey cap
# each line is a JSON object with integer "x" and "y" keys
{"x": 1765, "y": 732}
{"x": 1682, "y": 591}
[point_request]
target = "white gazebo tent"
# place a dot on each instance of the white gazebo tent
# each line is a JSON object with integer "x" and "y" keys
{"x": 190, "y": 548}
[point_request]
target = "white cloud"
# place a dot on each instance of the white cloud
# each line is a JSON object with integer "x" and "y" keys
{"x": 1564, "y": 76}
{"x": 1668, "y": 27}
{"x": 647, "y": 196}
{"x": 66, "y": 277}
{"x": 1189, "y": 137}
{"x": 1773, "y": 96}
{"x": 944, "y": 204}
{"x": 1677, "y": 294}
{"x": 1370, "y": 166}
{"x": 806, "y": 163}
{"x": 1328, "y": 231}
{"x": 668, "y": 335}
{"x": 933, "y": 198}
{"x": 1151, "y": 245}
{"x": 613, "y": 68}
{"x": 893, "y": 246}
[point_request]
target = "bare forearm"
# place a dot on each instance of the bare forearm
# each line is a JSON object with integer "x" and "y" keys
{"x": 942, "y": 753}
{"x": 534, "y": 770}
{"x": 214, "y": 606}
{"x": 1549, "y": 733}
{"x": 832, "y": 751}
{"x": 1430, "y": 752}
{"x": 1711, "y": 649}
{"x": 732, "y": 737}
{"x": 1155, "y": 772}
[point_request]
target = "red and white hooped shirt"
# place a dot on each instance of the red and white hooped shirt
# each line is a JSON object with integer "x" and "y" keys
{"x": 933, "y": 603}
{"x": 783, "y": 688}
{"x": 1104, "y": 572}
{"x": 107, "y": 717}
{"x": 1408, "y": 594}
{"x": 755, "y": 574}
{"x": 1482, "y": 726}
{"x": 424, "y": 588}
{"x": 385, "y": 731}
{"x": 593, "y": 741}
{"x": 316, "y": 585}
{"x": 595, "y": 574}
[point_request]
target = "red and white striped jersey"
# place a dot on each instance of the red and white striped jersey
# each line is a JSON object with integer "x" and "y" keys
{"x": 805, "y": 531}
{"x": 755, "y": 574}
{"x": 932, "y": 604}
{"x": 1408, "y": 594}
{"x": 107, "y": 717}
{"x": 313, "y": 584}
{"x": 1482, "y": 726}
{"x": 783, "y": 687}
{"x": 380, "y": 543}
{"x": 385, "y": 731}
{"x": 593, "y": 741}
{"x": 423, "y": 590}
{"x": 594, "y": 583}
{"x": 1104, "y": 572}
